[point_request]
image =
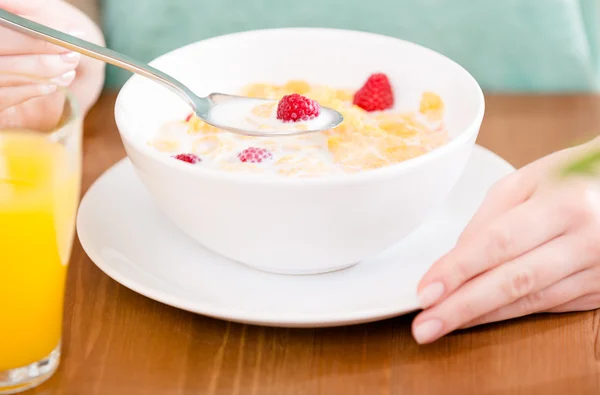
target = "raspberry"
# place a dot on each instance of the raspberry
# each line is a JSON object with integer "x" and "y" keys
{"x": 188, "y": 158}
{"x": 376, "y": 94}
{"x": 295, "y": 108}
{"x": 254, "y": 155}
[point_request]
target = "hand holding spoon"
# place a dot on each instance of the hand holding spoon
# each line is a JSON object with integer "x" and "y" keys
{"x": 203, "y": 106}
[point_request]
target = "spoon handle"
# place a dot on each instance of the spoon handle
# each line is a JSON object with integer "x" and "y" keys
{"x": 87, "y": 48}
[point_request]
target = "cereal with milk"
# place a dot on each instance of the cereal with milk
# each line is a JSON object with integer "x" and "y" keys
{"x": 367, "y": 139}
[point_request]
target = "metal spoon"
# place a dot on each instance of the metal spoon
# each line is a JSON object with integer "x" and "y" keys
{"x": 202, "y": 106}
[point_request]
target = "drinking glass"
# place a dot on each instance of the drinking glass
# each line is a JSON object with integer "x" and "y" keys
{"x": 40, "y": 173}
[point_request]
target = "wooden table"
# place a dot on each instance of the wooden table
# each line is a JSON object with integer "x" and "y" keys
{"x": 117, "y": 342}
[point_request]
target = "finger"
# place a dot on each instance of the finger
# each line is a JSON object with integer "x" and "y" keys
{"x": 512, "y": 190}
{"x": 10, "y": 80}
{"x": 513, "y": 234}
{"x": 15, "y": 43}
{"x": 583, "y": 303}
{"x": 501, "y": 286}
{"x": 503, "y": 196}
{"x": 561, "y": 293}
{"x": 13, "y": 96}
{"x": 20, "y": 6}
{"x": 39, "y": 66}
{"x": 40, "y": 113}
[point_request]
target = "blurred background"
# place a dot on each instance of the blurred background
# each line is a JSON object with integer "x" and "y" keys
{"x": 508, "y": 45}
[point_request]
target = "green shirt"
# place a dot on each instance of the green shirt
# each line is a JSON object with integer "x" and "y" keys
{"x": 508, "y": 45}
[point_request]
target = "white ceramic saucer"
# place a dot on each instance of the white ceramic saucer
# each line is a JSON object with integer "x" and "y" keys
{"x": 132, "y": 242}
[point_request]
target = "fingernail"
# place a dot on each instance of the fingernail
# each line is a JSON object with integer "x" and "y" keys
{"x": 427, "y": 331}
{"x": 47, "y": 89}
{"x": 430, "y": 294}
{"x": 65, "y": 79}
{"x": 70, "y": 57}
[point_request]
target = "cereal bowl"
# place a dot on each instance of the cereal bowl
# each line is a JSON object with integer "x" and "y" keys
{"x": 300, "y": 225}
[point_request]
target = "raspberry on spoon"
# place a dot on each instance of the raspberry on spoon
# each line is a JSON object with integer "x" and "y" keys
{"x": 296, "y": 108}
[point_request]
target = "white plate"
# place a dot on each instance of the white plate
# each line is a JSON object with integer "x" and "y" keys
{"x": 134, "y": 243}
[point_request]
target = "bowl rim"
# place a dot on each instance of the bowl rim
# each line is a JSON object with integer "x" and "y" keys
{"x": 346, "y": 178}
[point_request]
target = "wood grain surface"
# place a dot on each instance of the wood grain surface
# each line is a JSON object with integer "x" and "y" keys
{"x": 117, "y": 342}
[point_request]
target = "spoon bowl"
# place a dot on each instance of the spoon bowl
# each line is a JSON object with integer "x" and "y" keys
{"x": 203, "y": 107}
{"x": 220, "y": 103}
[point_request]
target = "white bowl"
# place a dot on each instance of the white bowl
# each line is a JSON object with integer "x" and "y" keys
{"x": 289, "y": 225}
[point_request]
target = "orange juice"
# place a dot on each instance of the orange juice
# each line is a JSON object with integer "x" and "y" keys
{"x": 39, "y": 192}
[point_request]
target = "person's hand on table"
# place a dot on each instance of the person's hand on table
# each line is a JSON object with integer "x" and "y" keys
{"x": 20, "y": 54}
{"x": 533, "y": 246}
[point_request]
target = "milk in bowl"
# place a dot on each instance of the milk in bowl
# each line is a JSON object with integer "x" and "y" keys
{"x": 373, "y": 135}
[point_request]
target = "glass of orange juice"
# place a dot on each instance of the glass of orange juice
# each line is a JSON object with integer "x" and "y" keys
{"x": 40, "y": 171}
